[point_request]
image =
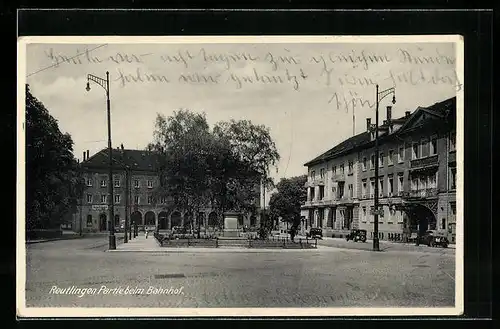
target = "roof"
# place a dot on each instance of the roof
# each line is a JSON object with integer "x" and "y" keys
{"x": 441, "y": 109}
{"x": 134, "y": 159}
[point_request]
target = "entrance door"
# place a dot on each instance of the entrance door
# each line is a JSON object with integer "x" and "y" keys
{"x": 349, "y": 214}
{"x": 102, "y": 222}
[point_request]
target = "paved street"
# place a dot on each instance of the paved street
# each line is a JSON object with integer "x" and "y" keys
{"x": 324, "y": 277}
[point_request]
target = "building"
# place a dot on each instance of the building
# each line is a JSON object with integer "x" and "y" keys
{"x": 417, "y": 177}
{"x": 135, "y": 178}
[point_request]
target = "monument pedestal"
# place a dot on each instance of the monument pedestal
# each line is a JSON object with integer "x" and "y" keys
{"x": 231, "y": 225}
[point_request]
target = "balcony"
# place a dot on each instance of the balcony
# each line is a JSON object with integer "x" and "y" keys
{"x": 420, "y": 194}
{"x": 429, "y": 161}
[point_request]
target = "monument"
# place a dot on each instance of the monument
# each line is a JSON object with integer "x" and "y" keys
{"x": 231, "y": 225}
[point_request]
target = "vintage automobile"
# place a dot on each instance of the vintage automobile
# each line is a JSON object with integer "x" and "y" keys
{"x": 434, "y": 238}
{"x": 315, "y": 233}
{"x": 356, "y": 235}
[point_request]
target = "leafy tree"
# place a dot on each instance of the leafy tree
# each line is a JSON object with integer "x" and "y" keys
{"x": 252, "y": 153}
{"x": 187, "y": 150}
{"x": 222, "y": 168}
{"x": 287, "y": 200}
{"x": 53, "y": 181}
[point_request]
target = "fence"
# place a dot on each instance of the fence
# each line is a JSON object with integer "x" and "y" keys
{"x": 215, "y": 242}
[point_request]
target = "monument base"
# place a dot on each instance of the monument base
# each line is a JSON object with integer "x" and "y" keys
{"x": 231, "y": 226}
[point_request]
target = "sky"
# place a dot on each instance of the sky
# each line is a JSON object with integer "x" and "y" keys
{"x": 305, "y": 93}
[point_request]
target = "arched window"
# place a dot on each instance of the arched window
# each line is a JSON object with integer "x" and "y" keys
{"x": 89, "y": 220}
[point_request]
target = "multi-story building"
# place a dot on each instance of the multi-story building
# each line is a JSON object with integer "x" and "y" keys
{"x": 135, "y": 178}
{"x": 417, "y": 176}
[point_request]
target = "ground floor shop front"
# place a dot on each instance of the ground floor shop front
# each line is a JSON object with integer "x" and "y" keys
{"x": 401, "y": 218}
{"x": 96, "y": 218}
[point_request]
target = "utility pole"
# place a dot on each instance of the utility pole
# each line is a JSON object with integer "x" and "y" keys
{"x": 376, "y": 211}
{"x": 104, "y": 83}
{"x": 125, "y": 239}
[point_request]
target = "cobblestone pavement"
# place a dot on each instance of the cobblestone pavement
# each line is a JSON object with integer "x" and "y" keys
{"x": 326, "y": 277}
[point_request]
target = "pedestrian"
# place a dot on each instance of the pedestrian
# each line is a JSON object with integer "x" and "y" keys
{"x": 147, "y": 232}
{"x": 292, "y": 233}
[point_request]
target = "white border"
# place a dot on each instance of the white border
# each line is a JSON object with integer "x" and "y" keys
{"x": 24, "y": 312}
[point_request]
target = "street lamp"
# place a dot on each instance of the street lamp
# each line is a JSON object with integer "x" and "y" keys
{"x": 104, "y": 83}
{"x": 380, "y": 95}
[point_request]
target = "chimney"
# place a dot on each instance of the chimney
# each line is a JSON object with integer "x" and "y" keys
{"x": 87, "y": 154}
{"x": 407, "y": 113}
{"x": 84, "y": 156}
{"x": 368, "y": 124}
{"x": 389, "y": 113}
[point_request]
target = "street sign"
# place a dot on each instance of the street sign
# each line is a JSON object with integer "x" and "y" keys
{"x": 98, "y": 207}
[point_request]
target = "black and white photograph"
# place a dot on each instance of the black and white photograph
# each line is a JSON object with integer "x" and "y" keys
{"x": 240, "y": 176}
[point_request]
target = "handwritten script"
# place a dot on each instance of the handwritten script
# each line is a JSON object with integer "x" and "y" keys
{"x": 344, "y": 74}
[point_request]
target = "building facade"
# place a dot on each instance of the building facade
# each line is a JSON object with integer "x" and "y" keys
{"x": 417, "y": 177}
{"x": 135, "y": 178}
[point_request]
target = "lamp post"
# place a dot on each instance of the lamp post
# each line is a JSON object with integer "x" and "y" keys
{"x": 380, "y": 95}
{"x": 104, "y": 83}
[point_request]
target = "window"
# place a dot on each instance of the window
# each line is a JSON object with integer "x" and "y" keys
{"x": 163, "y": 200}
{"x": 313, "y": 174}
{"x": 89, "y": 198}
{"x": 381, "y": 187}
{"x": 372, "y": 187}
{"x": 414, "y": 184}
{"x": 432, "y": 181}
{"x": 136, "y": 199}
{"x": 334, "y": 170}
{"x": 350, "y": 167}
{"x": 321, "y": 216}
{"x": 390, "y": 186}
{"x": 390, "y": 158}
{"x": 312, "y": 193}
{"x": 103, "y": 198}
{"x": 117, "y": 182}
{"x": 372, "y": 161}
{"x": 341, "y": 190}
{"x": 453, "y": 178}
{"x": 89, "y": 181}
{"x": 424, "y": 150}
{"x": 321, "y": 192}
{"x": 117, "y": 219}
{"x": 453, "y": 207}
{"x": 401, "y": 154}
{"x": 453, "y": 141}
{"x": 103, "y": 183}
{"x": 117, "y": 198}
{"x": 363, "y": 215}
{"x": 136, "y": 183}
{"x": 433, "y": 146}
{"x": 422, "y": 184}
{"x": 381, "y": 159}
{"x": 150, "y": 199}
{"x": 400, "y": 184}
{"x": 363, "y": 188}
{"x": 351, "y": 191}
{"x": 322, "y": 173}
{"x": 443, "y": 223}
{"x": 89, "y": 220}
{"x": 415, "y": 154}
{"x": 364, "y": 164}
{"x": 150, "y": 184}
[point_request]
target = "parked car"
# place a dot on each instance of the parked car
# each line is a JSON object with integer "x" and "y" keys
{"x": 356, "y": 235}
{"x": 434, "y": 238}
{"x": 315, "y": 233}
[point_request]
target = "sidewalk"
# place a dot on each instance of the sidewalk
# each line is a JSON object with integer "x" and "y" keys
{"x": 65, "y": 236}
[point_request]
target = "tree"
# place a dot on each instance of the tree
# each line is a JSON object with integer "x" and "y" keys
{"x": 286, "y": 202}
{"x": 252, "y": 153}
{"x": 184, "y": 144}
{"x": 222, "y": 168}
{"x": 54, "y": 183}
